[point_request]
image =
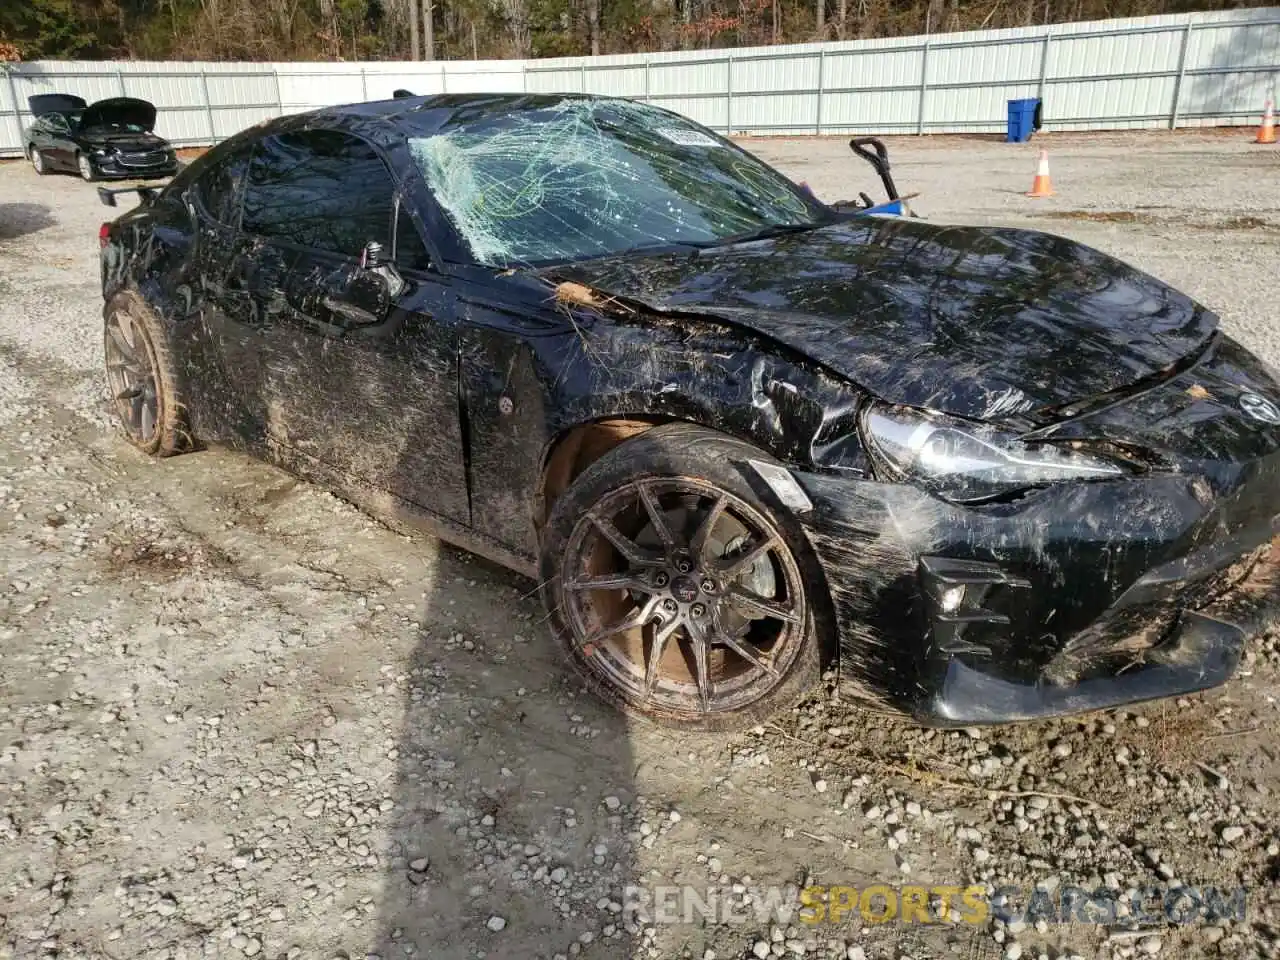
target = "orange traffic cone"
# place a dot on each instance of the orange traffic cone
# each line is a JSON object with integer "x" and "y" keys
{"x": 1267, "y": 132}
{"x": 1040, "y": 186}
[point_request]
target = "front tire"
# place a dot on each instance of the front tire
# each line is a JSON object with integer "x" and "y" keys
{"x": 142, "y": 378}
{"x": 87, "y": 173}
{"x": 37, "y": 160}
{"x": 678, "y": 587}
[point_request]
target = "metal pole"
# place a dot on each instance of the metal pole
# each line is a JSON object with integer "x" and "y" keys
{"x": 924, "y": 86}
{"x": 17, "y": 111}
{"x": 120, "y": 81}
{"x": 728, "y": 97}
{"x": 364, "y": 85}
{"x": 1182, "y": 69}
{"x": 1044, "y": 63}
{"x": 646, "y": 81}
{"x": 584, "y": 78}
{"x": 524, "y": 77}
{"x": 275, "y": 75}
{"x": 208, "y": 107}
{"x": 444, "y": 79}
{"x": 822, "y": 62}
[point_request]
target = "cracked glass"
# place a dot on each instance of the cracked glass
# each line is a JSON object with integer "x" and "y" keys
{"x": 585, "y": 178}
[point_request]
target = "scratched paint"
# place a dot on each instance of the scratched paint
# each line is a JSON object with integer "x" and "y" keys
{"x": 446, "y": 406}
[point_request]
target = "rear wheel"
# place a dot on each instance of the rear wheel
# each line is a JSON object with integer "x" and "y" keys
{"x": 85, "y": 166}
{"x": 37, "y": 159}
{"x": 677, "y": 589}
{"x": 142, "y": 379}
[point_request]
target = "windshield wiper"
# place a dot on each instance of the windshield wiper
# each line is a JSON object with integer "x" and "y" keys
{"x": 763, "y": 233}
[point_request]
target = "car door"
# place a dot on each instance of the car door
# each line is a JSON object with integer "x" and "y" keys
{"x": 349, "y": 362}
{"x": 62, "y": 149}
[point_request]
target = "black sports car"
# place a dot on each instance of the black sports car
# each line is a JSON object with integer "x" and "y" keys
{"x": 736, "y": 434}
{"x": 109, "y": 139}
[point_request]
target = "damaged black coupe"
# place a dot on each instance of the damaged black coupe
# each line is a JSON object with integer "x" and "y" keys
{"x": 736, "y": 434}
{"x": 108, "y": 139}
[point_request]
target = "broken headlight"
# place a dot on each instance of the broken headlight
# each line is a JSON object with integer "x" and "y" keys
{"x": 968, "y": 462}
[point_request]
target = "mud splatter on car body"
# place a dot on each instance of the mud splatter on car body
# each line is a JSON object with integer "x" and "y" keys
{"x": 467, "y": 402}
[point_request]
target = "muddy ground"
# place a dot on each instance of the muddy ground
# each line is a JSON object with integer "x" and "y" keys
{"x": 240, "y": 718}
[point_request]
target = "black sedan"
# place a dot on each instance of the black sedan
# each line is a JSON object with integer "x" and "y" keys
{"x": 109, "y": 139}
{"x": 737, "y": 435}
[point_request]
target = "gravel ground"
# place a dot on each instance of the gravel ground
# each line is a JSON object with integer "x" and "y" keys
{"x": 239, "y": 718}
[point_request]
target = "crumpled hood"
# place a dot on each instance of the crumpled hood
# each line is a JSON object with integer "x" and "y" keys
{"x": 977, "y": 322}
{"x": 119, "y": 110}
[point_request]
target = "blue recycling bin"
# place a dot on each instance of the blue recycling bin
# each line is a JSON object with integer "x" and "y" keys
{"x": 1024, "y": 119}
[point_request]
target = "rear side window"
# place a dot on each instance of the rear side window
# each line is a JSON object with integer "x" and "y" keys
{"x": 219, "y": 187}
{"x": 322, "y": 189}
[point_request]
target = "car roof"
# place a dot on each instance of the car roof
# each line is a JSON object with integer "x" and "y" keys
{"x": 420, "y": 116}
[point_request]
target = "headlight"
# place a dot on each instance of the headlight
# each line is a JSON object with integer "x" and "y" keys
{"x": 101, "y": 151}
{"x": 967, "y": 462}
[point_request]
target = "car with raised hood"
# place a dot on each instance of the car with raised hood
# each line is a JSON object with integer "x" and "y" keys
{"x": 737, "y": 435}
{"x": 112, "y": 139}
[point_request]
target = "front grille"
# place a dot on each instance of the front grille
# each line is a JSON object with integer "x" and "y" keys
{"x": 148, "y": 158}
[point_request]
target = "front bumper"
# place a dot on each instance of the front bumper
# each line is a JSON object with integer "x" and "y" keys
{"x": 1075, "y": 598}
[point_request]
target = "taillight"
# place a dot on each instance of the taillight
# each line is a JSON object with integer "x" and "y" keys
{"x": 104, "y": 234}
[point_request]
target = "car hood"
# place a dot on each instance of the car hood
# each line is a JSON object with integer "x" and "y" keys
{"x": 43, "y": 104}
{"x": 119, "y": 110}
{"x": 977, "y": 322}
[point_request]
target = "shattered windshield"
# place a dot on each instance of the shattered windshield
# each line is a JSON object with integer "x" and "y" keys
{"x": 590, "y": 178}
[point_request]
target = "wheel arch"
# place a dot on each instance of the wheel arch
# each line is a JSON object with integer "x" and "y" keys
{"x": 576, "y": 447}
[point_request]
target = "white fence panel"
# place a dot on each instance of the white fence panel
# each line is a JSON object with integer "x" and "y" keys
{"x": 1195, "y": 69}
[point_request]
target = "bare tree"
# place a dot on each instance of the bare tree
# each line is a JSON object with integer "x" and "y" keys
{"x": 413, "y": 30}
{"x": 593, "y": 25}
{"x": 428, "y": 29}
{"x": 517, "y": 16}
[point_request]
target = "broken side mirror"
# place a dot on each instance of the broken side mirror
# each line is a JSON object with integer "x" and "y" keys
{"x": 374, "y": 255}
{"x": 376, "y": 261}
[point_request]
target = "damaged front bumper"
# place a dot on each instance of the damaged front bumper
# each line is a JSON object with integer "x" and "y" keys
{"x": 1075, "y": 598}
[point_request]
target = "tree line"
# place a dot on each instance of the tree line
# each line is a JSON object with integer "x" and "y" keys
{"x": 485, "y": 29}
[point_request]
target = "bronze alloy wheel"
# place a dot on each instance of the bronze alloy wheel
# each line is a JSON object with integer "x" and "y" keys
{"x": 143, "y": 381}
{"x": 131, "y": 377}
{"x": 683, "y": 597}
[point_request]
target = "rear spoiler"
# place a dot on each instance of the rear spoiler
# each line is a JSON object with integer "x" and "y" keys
{"x": 146, "y": 193}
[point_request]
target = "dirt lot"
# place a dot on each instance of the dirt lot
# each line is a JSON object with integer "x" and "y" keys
{"x": 239, "y": 718}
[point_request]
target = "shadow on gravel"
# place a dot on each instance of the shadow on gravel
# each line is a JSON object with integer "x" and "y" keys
{"x": 504, "y": 836}
{"x": 500, "y": 839}
{"x": 19, "y": 219}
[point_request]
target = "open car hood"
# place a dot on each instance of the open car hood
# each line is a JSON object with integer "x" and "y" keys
{"x": 43, "y": 104}
{"x": 977, "y": 322}
{"x": 120, "y": 110}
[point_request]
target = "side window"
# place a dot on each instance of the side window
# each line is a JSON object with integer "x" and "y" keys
{"x": 322, "y": 189}
{"x": 218, "y": 188}
{"x": 410, "y": 250}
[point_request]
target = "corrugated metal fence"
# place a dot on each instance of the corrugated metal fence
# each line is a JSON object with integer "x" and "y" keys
{"x": 1203, "y": 69}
